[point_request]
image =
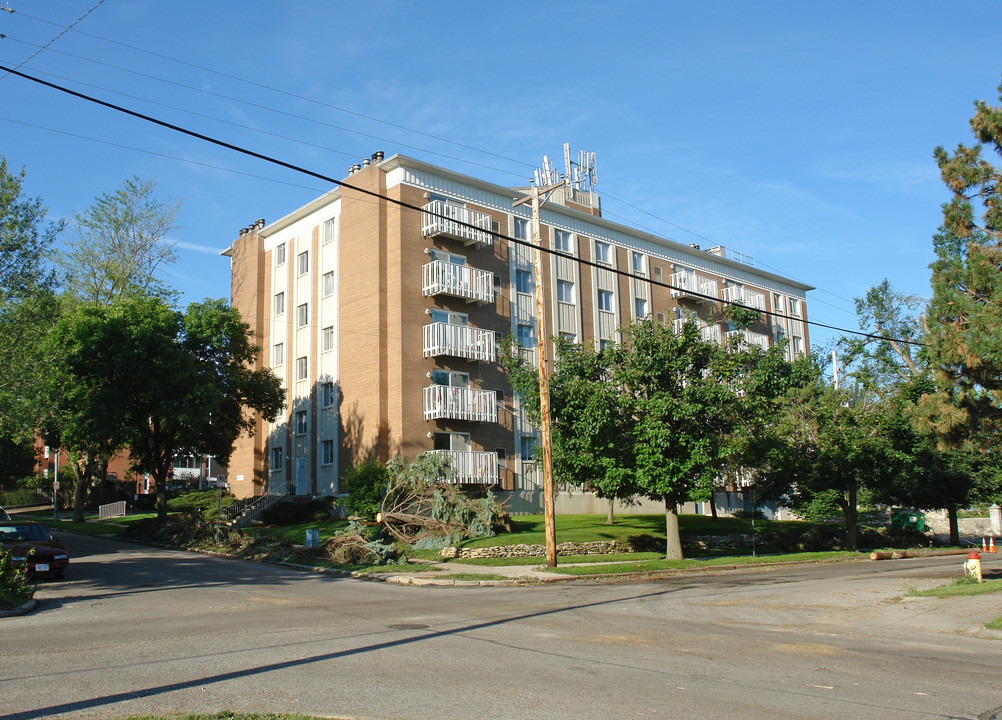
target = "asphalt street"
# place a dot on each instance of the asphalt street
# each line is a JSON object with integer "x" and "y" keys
{"x": 135, "y": 630}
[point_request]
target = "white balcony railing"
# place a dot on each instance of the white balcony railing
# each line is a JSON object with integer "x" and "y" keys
{"x": 472, "y": 467}
{"x": 743, "y": 296}
{"x": 709, "y": 333}
{"x": 460, "y": 403}
{"x": 445, "y": 278}
{"x": 460, "y": 341}
{"x": 747, "y": 337}
{"x": 692, "y": 286}
{"x": 444, "y": 218}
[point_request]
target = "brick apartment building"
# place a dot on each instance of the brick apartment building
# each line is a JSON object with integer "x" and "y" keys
{"x": 383, "y": 322}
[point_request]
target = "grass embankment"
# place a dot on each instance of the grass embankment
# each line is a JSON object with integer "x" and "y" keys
{"x": 696, "y": 563}
{"x": 960, "y": 587}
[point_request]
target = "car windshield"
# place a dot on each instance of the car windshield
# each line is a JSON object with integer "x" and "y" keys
{"x": 10, "y": 533}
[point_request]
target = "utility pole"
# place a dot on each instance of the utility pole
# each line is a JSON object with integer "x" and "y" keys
{"x": 544, "y": 383}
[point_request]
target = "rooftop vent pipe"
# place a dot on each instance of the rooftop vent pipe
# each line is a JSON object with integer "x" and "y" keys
{"x": 377, "y": 157}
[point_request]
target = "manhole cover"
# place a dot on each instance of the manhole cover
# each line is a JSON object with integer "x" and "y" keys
{"x": 408, "y": 626}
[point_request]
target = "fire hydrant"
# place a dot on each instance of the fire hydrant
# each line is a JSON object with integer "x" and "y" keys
{"x": 972, "y": 567}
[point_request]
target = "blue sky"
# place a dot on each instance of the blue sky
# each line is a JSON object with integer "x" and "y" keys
{"x": 799, "y": 133}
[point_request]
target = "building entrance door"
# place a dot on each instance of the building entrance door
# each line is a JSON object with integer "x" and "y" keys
{"x": 302, "y": 477}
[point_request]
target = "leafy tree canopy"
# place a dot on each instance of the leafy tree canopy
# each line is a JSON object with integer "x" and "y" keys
{"x": 27, "y": 305}
{"x": 119, "y": 244}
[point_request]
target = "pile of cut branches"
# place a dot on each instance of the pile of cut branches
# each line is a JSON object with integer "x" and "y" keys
{"x": 420, "y": 503}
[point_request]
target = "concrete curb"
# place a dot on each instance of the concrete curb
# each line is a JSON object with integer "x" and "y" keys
{"x": 20, "y": 609}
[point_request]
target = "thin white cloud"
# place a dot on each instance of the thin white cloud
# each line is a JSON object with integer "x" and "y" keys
{"x": 198, "y": 248}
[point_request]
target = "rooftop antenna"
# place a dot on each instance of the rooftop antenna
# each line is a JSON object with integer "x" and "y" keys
{"x": 581, "y": 174}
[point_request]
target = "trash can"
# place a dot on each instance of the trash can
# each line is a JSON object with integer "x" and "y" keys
{"x": 312, "y": 538}
{"x": 910, "y": 519}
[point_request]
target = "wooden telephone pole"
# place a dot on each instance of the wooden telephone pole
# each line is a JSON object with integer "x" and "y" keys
{"x": 544, "y": 383}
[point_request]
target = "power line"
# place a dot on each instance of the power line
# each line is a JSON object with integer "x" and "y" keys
{"x": 401, "y": 203}
{"x": 157, "y": 154}
{"x": 280, "y": 91}
{"x": 374, "y": 119}
{"x": 261, "y": 107}
{"x": 46, "y": 45}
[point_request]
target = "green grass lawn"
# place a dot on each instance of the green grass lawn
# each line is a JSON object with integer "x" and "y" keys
{"x": 297, "y": 533}
{"x": 960, "y": 586}
{"x": 696, "y": 563}
{"x": 530, "y": 530}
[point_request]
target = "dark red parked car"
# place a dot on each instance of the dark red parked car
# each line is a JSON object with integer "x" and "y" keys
{"x": 33, "y": 547}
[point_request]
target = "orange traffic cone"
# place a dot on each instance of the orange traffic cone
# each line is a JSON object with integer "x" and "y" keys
{"x": 991, "y": 544}
{"x": 984, "y": 545}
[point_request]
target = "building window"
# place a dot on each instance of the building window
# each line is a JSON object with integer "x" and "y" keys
{"x": 450, "y": 379}
{"x": 640, "y": 307}
{"x": 797, "y": 343}
{"x": 569, "y": 337}
{"x": 279, "y": 303}
{"x": 302, "y": 315}
{"x": 278, "y": 354}
{"x": 447, "y": 257}
{"x": 326, "y": 394}
{"x": 303, "y": 263}
{"x": 502, "y": 454}
{"x": 276, "y": 459}
{"x": 330, "y": 230}
{"x": 327, "y": 452}
{"x": 523, "y": 333}
{"x": 657, "y": 273}
{"x": 327, "y": 339}
{"x": 328, "y": 283}
{"x": 280, "y": 255}
{"x": 527, "y": 447}
{"x": 452, "y": 441}
{"x": 638, "y": 262}
{"x": 602, "y": 252}
{"x": 794, "y": 306}
{"x": 302, "y": 368}
{"x": 452, "y": 318}
{"x": 522, "y": 282}
{"x": 605, "y": 300}
{"x": 661, "y": 318}
{"x": 565, "y": 291}
{"x": 562, "y": 241}
{"x": 520, "y": 229}
{"x": 301, "y": 426}
{"x": 604, "y": 344}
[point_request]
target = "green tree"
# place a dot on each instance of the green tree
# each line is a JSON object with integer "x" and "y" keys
{"x": 829, "y": 445}
{"x": 141, "y": 375}
{"x": 590, "y": 421}
{"x": 120, "y": 243}
{"x": 965, "y": 313}
{"x": 27, "y": 306}
{"x": 86, "y": 386}
{"x": 682, "y": 412}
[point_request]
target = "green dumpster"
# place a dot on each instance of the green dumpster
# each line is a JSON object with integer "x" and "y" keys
{"x": 911, "y": 519}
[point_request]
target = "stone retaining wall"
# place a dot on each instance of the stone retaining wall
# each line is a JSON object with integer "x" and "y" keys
{"x": 599, "y": 547}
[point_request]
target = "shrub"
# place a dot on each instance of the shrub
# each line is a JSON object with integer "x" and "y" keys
{"x": 14, "y": 587}
{"x": 294, "y": 513}
{"x": 206, "y": 502}
{"x": 366, "y": 485}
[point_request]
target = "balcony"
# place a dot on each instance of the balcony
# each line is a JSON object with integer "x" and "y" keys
{"x": 460, "y": 341}
{"x": 444, "y": 219}
{"x": 747, "y": 338}
{"x": 445, "y": 278}
{"x": 709, "y": 333}
{"x": 690, "y": 286}
{"x": 471, "y": 467}
{"x": 460, "y": 403}
{"x": 743, "y": 296}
